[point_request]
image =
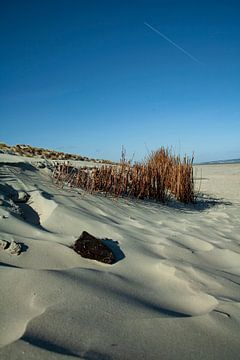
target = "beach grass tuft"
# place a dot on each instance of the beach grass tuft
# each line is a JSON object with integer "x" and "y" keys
{"x": 160, "y": 176}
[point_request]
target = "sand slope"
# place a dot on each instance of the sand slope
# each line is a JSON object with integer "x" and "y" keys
{"x": 173, "y": 294}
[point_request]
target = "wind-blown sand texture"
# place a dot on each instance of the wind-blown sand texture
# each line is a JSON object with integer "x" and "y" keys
{"x": 172, "y": 294}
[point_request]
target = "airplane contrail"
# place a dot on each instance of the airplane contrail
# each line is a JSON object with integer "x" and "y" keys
{"x": 172, "y": 42}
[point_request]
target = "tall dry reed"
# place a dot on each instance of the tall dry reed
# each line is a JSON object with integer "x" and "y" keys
{"x": 160, "y": 176}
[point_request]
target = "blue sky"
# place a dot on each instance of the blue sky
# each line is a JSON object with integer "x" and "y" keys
{"x": 89, "y": 76}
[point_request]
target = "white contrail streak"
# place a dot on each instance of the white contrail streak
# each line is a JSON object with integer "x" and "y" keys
{"x": 172, "y": 42}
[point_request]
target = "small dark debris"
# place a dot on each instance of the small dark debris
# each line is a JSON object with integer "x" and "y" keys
{"x": 20, "y": 197}
{"x": 41, "y": 165}
{"x": 223, "y": 313}
{"x": 92, "y": 248}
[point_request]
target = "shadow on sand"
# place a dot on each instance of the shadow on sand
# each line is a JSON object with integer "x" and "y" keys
{"x": 114, "y": 246}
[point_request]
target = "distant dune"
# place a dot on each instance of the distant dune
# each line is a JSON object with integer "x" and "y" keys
{"x": 33, "y": 151}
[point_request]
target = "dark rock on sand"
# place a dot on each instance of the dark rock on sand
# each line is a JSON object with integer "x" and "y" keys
{"x": 92, "y": 248}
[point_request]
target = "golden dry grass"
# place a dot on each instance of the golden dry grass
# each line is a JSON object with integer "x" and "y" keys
{"x": 160, "y": 176}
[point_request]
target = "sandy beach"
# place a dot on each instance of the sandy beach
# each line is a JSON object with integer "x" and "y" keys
{"x": 173, "y": 292}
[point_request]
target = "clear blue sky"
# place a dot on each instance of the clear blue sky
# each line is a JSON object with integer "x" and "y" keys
{"x": 90, "y": 76}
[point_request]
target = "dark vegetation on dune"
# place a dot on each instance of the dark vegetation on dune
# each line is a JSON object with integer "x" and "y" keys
{"x": 161, "y": 176}
{"x": 33, "y": 151}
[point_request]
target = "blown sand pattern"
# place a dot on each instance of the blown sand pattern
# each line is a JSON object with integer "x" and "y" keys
{"x": 174, "y": 294}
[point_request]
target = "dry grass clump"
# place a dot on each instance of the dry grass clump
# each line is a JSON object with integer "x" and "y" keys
{"x": 160, "y": 176}
{"x": 176, "y": 174}
{"x": 4, "y": 146}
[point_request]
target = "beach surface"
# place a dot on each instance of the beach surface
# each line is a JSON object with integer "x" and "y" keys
{"x": 173, "y": 293}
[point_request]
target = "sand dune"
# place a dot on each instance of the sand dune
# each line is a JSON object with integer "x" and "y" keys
{"x": 172, "y": 294}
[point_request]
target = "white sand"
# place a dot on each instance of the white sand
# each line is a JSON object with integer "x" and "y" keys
{"x": 175, "y": 294}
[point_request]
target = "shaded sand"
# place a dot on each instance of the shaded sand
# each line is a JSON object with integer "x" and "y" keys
{"x": 173, "y": 293}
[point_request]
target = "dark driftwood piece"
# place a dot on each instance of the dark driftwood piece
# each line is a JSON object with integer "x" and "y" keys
{"x": 92, "y": 248}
